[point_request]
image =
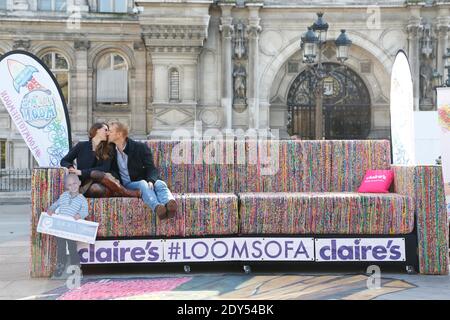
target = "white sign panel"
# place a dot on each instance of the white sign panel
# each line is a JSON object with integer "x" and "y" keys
{"x": 370, "y": 249}
{"x": 67, "y": 227}
{"x": 198, "y": 250}
{"x": 33, "y": 99}
{"x": 443, "y": 105}
{"x": 402, "y": 112}
{"x": 121, "y": 251}
{"x": 239, "y": 249}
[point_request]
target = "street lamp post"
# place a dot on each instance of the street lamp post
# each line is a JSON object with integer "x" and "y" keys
{"x": 312, "y": 43}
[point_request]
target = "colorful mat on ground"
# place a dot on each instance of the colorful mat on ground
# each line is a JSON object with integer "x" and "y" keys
{"x": 325, "y": 213}
{"x": 235, "y": 287}
{"x": 122, "y": 289}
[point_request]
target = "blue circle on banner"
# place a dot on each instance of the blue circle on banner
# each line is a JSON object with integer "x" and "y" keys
{"x": 38, "y": 108}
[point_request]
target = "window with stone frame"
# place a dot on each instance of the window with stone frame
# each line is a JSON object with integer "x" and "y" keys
{"x": 113, "y": 6}
{"x": 112, "y": 79}
{"x": 2, "y": 7}
{"x": 52, "y": 5}
{"x": 2, "y": 154}
{"x": 59, "y": 66}
{"x": 174, "y": 85}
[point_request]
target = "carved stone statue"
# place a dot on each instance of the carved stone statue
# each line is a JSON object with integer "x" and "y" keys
{"x": 426, "y": 91}
{"x": 239, "y": 75}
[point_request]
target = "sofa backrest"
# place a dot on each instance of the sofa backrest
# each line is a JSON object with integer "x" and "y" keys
{"x": 268, "y": 166}
{"x": 195, "y": 166}
{"x": 315, "y": 166}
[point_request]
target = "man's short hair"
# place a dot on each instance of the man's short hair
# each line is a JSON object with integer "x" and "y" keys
{"x": 121, "y": 127}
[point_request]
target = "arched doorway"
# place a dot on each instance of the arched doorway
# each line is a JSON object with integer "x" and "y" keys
{"x": 346, "y": 105}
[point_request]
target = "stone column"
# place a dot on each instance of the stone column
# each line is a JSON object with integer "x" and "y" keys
{"x": 227, "y": 30}
{"x": 81, "y": 111}
{"x": 254, "y": 30}
{"x": 414, "y": 32}
{"x": 139, "y": 105}
{"x": 442, "y": 34}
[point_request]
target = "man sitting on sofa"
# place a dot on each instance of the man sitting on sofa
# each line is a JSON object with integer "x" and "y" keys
{"x": 134, "y": 164}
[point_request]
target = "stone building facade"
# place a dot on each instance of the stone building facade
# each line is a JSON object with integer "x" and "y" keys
{"x": 227, "y": 64}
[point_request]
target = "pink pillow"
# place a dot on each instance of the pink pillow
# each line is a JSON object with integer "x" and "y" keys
{"x": 377, "y": 181}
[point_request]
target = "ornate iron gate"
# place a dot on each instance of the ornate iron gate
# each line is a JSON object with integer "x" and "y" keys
{"x": 346, "y": 104}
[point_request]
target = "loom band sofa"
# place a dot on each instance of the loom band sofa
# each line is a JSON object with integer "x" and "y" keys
{"x": 312, "y": 193}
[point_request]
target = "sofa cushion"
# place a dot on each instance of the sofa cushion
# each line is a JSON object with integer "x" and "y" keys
{"x": 198, "y": 214}
{"x": 325, "y": 213}
{"x": 210, "y": 214}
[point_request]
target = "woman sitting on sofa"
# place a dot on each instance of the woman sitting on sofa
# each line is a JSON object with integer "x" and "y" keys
{"x": 93, "y": 164}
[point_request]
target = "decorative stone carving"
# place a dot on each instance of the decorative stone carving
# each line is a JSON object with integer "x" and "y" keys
{"x": 239, "y": 71}
{"x": 82, "y": 45}
{"x": 254, "y": 31}
{"x": 427, "y": 43}
{"x": 240, "y": 50}
{"x": 22, "y": 44}
{"x": 139, "y": 46}
{"x": 425, "y": 80}
{"x": 173, "y": 35}
{"x": 240, "y": 88}
{"x": 227, "y": 30}
{"x": 210, "y": 117}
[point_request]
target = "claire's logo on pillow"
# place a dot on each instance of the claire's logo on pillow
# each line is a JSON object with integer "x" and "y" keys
{"x": 376, "y": 177}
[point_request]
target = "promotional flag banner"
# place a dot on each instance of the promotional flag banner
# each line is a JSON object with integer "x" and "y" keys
{"x": 443, "y": 107}
{"x": 34, "y": 100}
{"x": 402, "y": 112}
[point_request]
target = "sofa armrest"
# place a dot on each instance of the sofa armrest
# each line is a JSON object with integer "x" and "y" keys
{"x": 425, "y": 185}
{"x": 47, "y": 184}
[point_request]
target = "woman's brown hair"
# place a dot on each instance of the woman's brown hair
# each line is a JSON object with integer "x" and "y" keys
{"x": 103, "y": 150}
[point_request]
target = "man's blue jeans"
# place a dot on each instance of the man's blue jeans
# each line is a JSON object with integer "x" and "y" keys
{"x": 160, "y": 194}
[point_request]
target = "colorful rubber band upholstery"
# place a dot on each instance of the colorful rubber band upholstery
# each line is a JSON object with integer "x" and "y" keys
{"x": 289, "y": 187}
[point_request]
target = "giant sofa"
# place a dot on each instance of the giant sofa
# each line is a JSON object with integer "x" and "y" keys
{"x": 311, "y": 193}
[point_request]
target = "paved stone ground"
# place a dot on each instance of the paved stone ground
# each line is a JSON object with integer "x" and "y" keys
{"x": 225, "y": 282}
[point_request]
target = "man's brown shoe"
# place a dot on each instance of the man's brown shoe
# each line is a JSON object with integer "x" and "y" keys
{"x": 161, "y": 212}
{"x": 172, "y": 207}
